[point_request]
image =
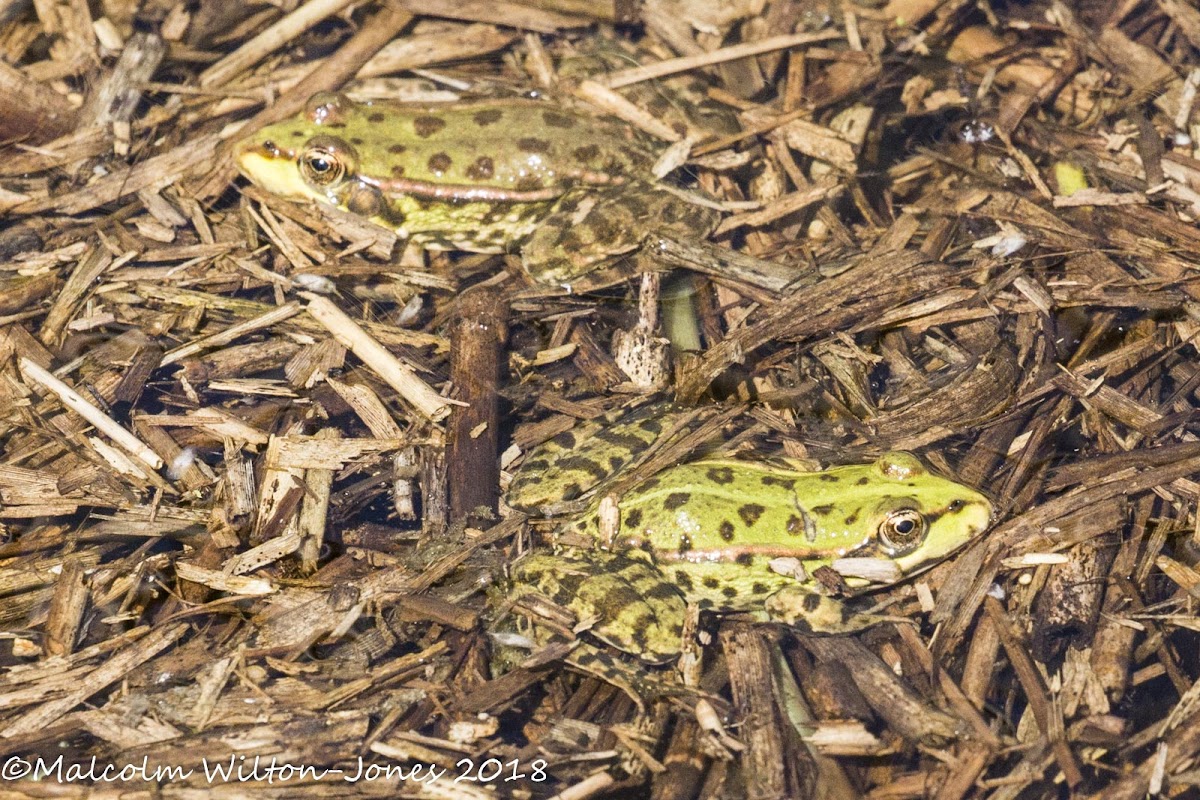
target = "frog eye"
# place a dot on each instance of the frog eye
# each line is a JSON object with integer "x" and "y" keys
{"x": 321, "y": 167}
{"x": 326, "y": 160}
{"x": 902, "y": 531}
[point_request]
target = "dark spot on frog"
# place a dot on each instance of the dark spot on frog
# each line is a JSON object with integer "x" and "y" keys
{"x": 853, "y": 518}
{"x": 685, "y": 544}
{"x": 356, "y": 140}
{"x": 827, "y": 478}
{"x": 530, "y": 184}
{"x": 783, "y": 483}
{"x": 720, "y": 475}
{"x": 397, "y": 171}
{"x": 487, "y": 117}
{"x": 636, "y": 208}
{"x": 602, "y": 227}
{"x": 955, "y": 506}
{"x": 729, "y": 592}
{"x": 587, "y": 153}
{"x": 624, "y": 441}
{"x": 670, "y": 214}
{"x": 633, "y": 518}
{"x": 758, "y": 587}
{"x": 822, "y": 511}
{"x": 711, "y": 583}
{"x": 677, "y": 630}
{"x": 750, "y": 513}
{"x": 376, "y": 116}
{"x": 639, "y": 633}
{"x": 299, "y": 135}
{"x": 616, "y": 462}
{"x": 744, "y": 559}
{"x": 537, "y": 463}
{"x": 426, "y": 126}
{"x": 483, "y": 169}
{"x": 439, "y": 163}
{"x": 704, "y": 603}
{"x": 571, "y": 491}
{"x": 662, "y": 591}
{"x": 532, "y": 144}
{"x": 683, "y": 580}
{"x": 623, "y": 595}
{"x": 565, "y": 440}
{"x": 532, "y": 576}
{"x": 556, "y": 120}
{"x": 583, "y": 465}
{"x": 863, "y": 481}
{"x": 651, "y": 426}
{"x": 795, "y": 525}
{"x": 726, "y": 530}
{"x": 397, "y": 149}
{"x": 812, "y": 602}
{"x": 676, "y": 499}
{"x": 650, "y": 483}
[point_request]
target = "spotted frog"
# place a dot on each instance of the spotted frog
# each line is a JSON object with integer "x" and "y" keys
{"x": 729, "y": 535}
{"x": 567, "y": 189}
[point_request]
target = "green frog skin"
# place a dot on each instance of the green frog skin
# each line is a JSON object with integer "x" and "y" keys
{"x": 710, "y": 533}
{"x": 568, "y": 190}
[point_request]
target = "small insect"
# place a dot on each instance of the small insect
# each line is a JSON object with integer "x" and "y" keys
{"x": 976, "y": 131}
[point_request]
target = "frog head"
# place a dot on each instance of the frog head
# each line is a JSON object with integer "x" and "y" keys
{"x": 313, "y": 156}
{"x": 898, "y": 510}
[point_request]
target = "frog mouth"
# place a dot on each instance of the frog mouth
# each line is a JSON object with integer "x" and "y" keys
{"x": 256, "y": 154}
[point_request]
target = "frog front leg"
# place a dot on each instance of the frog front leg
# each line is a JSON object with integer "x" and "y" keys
{"x": 590, "y": 226}
{"x": 807, "y": 611}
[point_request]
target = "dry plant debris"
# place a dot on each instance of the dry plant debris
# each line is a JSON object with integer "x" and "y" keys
{"x": 252, "y": 449}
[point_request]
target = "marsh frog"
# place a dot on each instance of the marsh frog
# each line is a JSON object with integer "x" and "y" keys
{"x": 567, "y": 189}
{"x": 728, "y": 535}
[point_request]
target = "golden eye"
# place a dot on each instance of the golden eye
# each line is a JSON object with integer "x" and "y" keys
{"x": 326, "y": 161}
{"x": 902, "y": 531}
{"x": 321, "y": 166}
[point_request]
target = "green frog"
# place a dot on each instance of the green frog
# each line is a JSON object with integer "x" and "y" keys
{"x": 728, "y": 535}
{"x": 569, "y": 190}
